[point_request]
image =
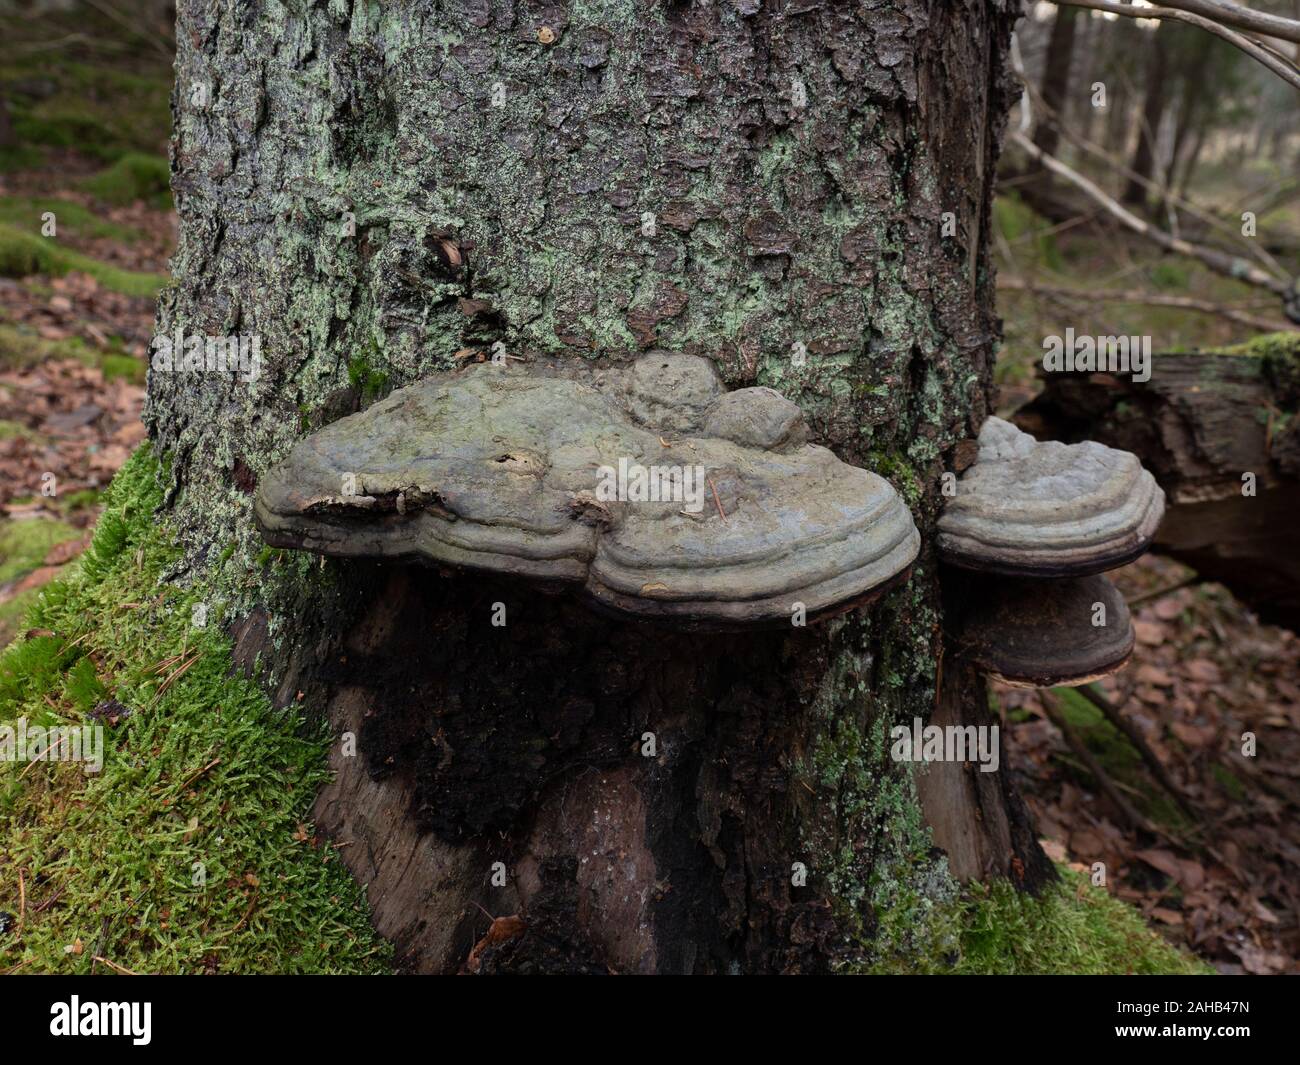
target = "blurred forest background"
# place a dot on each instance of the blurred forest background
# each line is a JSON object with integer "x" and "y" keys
{"x": 1187, "y": 133}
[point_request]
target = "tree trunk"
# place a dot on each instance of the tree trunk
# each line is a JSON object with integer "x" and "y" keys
{"x": 1153, "y": 109}
{"x": 6, "y": 125}
{"x": 1190, "y": 158}
{"x": 371, "y": 189}
{"x": 1055, "y": 86}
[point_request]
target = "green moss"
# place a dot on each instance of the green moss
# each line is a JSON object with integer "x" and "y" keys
{"x": 9, "y": 430}
{"x": 12, "y": 613}
{"x": 23, "y": 254}
{"x": 20, "y": 345}
{"x": 1118, "y": 758}
{"x": 1272, "y": 346}
{"x": 86, "y": 497}
{"x": 135, "y": 176}
{"x": 17, "y": 157}
{"x": 116, "y": 365}
{"x": 24, "y": 544}
{"x": 900, "y": 472}
{"x": 1073, "y": 928}
{"x": 1018, "y": 222}
{"x": 372, "y": 383}
{"x": 71, "y": 219}
{"x": 97, "y": 110}
{"x": 188, "y": 852}
{"x": 1170, "y": 274}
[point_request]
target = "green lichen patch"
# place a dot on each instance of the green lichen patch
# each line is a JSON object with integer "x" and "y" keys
{"x": 867, "y": 841}
{"x": 189, "y": 851}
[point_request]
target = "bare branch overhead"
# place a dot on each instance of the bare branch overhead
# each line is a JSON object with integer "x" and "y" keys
{"x": 1275, "y": 61}
{"x": 1228, "y": 265}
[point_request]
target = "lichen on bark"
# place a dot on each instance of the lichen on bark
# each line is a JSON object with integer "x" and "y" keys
{"x": 375, "y": 188}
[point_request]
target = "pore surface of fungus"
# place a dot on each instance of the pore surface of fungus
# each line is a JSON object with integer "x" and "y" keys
{"x": 1035, "y": 635}
{"x": 648, "y": 486}
{"x": 1048, "y": 509}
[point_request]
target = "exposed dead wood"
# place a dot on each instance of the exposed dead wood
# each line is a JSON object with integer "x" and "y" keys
{"x": 1219, "y": 433}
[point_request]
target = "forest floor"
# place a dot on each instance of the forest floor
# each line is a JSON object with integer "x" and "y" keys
{"x": 1211, "y": 858}
{"x": 1212, "y": 855}
{"x": 72, "y": 370}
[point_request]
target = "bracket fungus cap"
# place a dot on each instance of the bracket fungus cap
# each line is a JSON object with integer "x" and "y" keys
{"x": 650, "y": 488}
{"x": 1034, "y": 635}
{"x": 1048, "y": 509}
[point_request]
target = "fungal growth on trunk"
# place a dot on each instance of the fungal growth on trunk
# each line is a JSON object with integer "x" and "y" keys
{"x": 1034, "y": 525}
{"x": 1048, "y": 509}
{"x": 1029, "y": 635}
{"x": 649, "y": 487}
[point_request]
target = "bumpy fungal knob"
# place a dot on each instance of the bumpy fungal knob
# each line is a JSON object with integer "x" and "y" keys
{"x": 757, "y": 417}
{"x": 672, "y": 392}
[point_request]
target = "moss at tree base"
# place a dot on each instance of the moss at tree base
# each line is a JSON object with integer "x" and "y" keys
{"x": 1071, "y": 929}
{"x": 188, "y": 852}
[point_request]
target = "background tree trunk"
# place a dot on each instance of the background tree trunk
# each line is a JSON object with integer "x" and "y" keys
{"x": 1055, "y": 84}
{"x": 1153, "y": 109}
{"x": 728, "y": 179}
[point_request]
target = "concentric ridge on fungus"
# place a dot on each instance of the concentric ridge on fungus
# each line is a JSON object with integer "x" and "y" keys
{"x": 497, "y": 469}
{"x": 1048, "y": 509}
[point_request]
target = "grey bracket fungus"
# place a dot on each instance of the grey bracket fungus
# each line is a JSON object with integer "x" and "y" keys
{"x": 507, "y": 470}
{"x": 1048, "y": 509}
{"x": 1031, "y": 635}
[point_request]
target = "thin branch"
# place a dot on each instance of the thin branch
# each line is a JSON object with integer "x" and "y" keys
{"x": 1260, "y": 53}
{"x": 1095, "y": 150}
{"x": 1147, "y": 299}
{"x": 1052, "y": 709}
{"x": 1244, "y": 18}
{"x": 157, "y": 40}
{"x": 1113, "y": 714}
{"x": 1228, "y": 265}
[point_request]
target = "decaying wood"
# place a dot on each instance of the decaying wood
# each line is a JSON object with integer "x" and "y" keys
{"x": 1201, "y": 425}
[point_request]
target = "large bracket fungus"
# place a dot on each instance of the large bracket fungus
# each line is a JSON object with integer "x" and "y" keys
{"x": 1048, "y": 509}
{"x": 1028, "y": 636}
{"x": 1038, "y": 523}
{"x": 648, "y": 486}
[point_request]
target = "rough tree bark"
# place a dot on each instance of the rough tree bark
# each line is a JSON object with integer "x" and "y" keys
{"x": 746, "y": 181}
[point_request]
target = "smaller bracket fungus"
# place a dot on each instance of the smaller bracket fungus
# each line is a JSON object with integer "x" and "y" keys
{"x": 649, "y": 487}
{"x": 1031, "y": 635}
{"x": 1047, "y": 509}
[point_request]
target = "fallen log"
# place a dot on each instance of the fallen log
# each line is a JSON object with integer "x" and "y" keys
{"x": 1221, "y": 432}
